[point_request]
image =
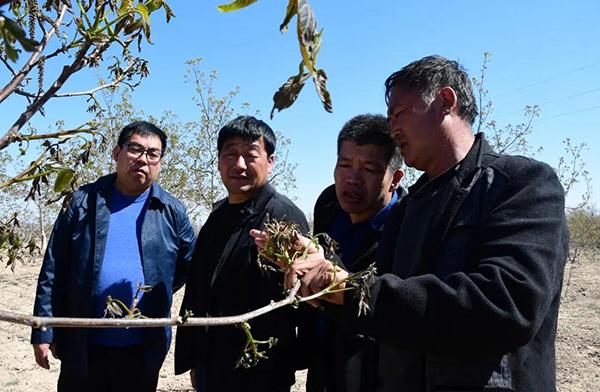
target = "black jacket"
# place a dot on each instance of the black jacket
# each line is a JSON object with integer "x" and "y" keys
{"x": 235, "y": 284}
{"x": 339, "y": 360}
{"x": 478, "y": 310}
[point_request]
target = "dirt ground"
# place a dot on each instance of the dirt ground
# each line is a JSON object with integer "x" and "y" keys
{"x": 578, "y": 343}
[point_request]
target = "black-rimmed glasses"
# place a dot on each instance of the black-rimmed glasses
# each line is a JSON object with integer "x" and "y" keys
{"x": 135, "y": 150}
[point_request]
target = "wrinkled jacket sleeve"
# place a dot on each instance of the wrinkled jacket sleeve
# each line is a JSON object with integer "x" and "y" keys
{"x": 499, "y": 304}
{"x": 52, "y": 285}
{"x": 187, "y": 239}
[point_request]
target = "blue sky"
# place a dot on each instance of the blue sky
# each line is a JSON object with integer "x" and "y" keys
{"x": 543, "y": 52}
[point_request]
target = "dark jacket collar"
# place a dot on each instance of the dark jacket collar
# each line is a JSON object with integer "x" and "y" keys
{"x": 256, "y": 204}
{"x": 327, "y": 206}
{"x": 466, "y": 174}
{"x": 464, "y": 169}
{"x": 250, "y": 214}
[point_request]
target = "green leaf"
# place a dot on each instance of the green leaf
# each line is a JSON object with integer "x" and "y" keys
{"x": 11, "y": 28}
{"x": 292, "y": 9}
{"x": 287, "y": 93}
{"x": 235, "y": 5}
{"x": 143, "y": 11}
{"x": 125, "y": 7}
{"x": 63, "y": 180}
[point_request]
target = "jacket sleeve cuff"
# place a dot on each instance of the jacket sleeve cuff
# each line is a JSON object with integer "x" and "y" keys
{"x": 38, "y": 336}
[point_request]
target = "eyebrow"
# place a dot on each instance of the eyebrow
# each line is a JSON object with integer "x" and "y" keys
{"x": 367, "y": 162}
{"x": 142, "y": 146}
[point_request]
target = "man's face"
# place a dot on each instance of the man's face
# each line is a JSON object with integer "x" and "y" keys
{"x": 415, "y": 127}
{"x": 136, "y": 171}
{"x": 244, "y": 166}
{"x": 364, "y": 183}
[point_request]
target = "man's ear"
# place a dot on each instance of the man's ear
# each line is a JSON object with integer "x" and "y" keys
{"x": 397, "y": 177}
{"x": 271, "y": 161}
{"x": 448, "y": 99}
{"x": 115, "y": 152}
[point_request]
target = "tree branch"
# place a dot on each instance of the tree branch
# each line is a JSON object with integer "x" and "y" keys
{"x": 91, "y": 92}
{"x": 70, "y": 322}
{"x": 67, "y": 71}
{"x": 18, "y": 78}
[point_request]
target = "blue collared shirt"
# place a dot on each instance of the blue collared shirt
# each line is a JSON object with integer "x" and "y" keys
{"x": 350, "y": 236}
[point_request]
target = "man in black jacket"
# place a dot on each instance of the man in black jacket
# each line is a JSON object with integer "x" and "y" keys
{"x": 226, "y": 279}
{"x": 472, "y": 259}
{"x": 352, "y": 212}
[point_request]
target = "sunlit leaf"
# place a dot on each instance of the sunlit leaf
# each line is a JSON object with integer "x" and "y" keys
{"x": 321, "y": 85}
{"x": 307, "y": 36}
{"x": 235, "y": 5}
{"x": 143, "y": 11}
{"x": 125, "y": 7}
{"x": 292, "y": 9}
{"x": 63, "y": 180}
{"x": 113, "y": 308}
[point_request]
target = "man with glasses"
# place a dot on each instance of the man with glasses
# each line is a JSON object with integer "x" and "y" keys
{"x": 119, "y": 236}
{"x": 225, "y": 277}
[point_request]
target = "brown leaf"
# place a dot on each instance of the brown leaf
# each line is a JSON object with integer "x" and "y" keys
{"x": 321, "y": 86}
{"x": 287, "y": 93}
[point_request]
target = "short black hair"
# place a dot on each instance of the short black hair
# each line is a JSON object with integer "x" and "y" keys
{"x": 247, "y": 127}
{"x": 371, "y": 129}
{"x": 428, "y": 75}
{"x": 142, "y": 128}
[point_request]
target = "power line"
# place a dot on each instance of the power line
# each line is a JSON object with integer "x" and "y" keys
{"x": 569, "y": 113}
{"x": 552, "y": 101}
{"x": 549, "y": 79}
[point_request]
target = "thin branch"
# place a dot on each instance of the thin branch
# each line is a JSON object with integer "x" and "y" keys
{"x": 25, "y": 175}
{"x": 18, "y": 78}
{"x": 7, "y": 64}
{"x": 67, "y": 71}
{"x": 68, "y": 322}
{"x": 90, "y": 93}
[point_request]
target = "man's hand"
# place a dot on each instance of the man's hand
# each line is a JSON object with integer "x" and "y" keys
{"x": 40, "y": 351}
{"x": 301, "y": 244}
{"x": 317, "y": 273}
{"x": 193, "y": 378}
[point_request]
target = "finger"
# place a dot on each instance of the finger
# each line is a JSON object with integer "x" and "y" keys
{"x": 42, "y": 360}
{"x": 290, "y": 278}
{"x": 40, "y": 352}
{"x": 318, "y": 278}
{"x": 310, "y": 258}
{"x": 303, "y": 243}
{"x": 54, "y": 350}
{"x": 260, "y": 238}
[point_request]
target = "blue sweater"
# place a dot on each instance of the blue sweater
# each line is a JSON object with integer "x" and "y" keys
{"x": 121, "y": 270}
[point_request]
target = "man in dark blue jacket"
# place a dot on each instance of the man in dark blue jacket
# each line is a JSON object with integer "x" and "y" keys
{"x": 117, "y": 235}
{"x": 353, "y": 212}
{"x": 471, "y": 260}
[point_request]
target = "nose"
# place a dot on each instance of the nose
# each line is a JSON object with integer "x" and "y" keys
{"x": 144, "y": 156}
{"x": 240, "y": 162}
{"x": 354, "y": 176}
